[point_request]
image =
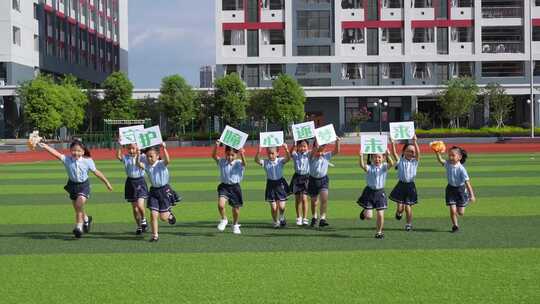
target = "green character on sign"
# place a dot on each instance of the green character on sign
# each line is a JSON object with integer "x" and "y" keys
{"x": 402, "y": 132}
{"x": 231, "y": 139}
{"x": 304, "y": 132}
{"x": 271, "y": 140}
{"x": 374, "y": 146}
{"x": 146, "y": 138}
{"x": 325, "y": 134}
{"x": 129, "y": 135}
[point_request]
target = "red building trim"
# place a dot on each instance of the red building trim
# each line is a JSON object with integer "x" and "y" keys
{"x": 441, "y": 23}
{"x": 60, "y": 15}
{"x": 82, "y": 26}
{"x": 91, "y": 31}
{"x": 71, "y": 20}
{"x": 48, "y": 8}
{"x": 372, "y": 24}
{"x": 536, "y": 22}
{"x": 254, "y": 26}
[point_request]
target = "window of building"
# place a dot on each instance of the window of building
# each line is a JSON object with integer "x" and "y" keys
{"x": 313, "y": 50}
{"x": 315, "y": 82}
{"x": 536, "y": 68}
{"x": 16, "y": 5}
{"x": 423, "y": 3}
{"x": 392, "y": 70}
{"x": 16, "y": 36}
{"x": 353, "y": 36}
{"x": 441, "y": 72}
{"x": 421, "y": 70}
{"x": 423, "y": 35}
{"x": 463, "y": 69}
{"x": 351, "y": 71}
{"x": 392, "y": 35}
{"x": 498, "y": 39}
{"x": 35, "y": 11}
{"x": 462, "y": 3}
{"x": 272, "y": 71}
{"x": 36, "y": 43}
{"x": 536, "y": 33}
{"x": 503, "y": 69}
{"x": 233, "y": 5}
{"x": 307, "y": 68}
{"x": 234, "y": 37}
{"x": 537, "y": 2}
{"x": 351, "y": 4}
{"x": 314, "y": 2}
{"x": 273, "y": 4}
{"x": 442, "y": 40}
{"x": 392, "y": 3}
{"x": 313, "y": 24}
{"x": 372, "y": 74}
{"x": 273, "y": 36}
{"x": 462, "y": 34}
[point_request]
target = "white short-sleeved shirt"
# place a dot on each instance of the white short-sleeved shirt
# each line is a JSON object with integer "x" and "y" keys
{"x": 158, "y": 173}
{"x": 273, "y": 169}
{"x": 231, "y": 173}
{"x": 376, "y": 176}
{"x": 318, "y": 166}
{"x": 132, "y": 168}
{"x": 301, "y": 163}
{"x": 457, "y": 174}
{"x": 407, "y": 169}
{"x": 77, "y": 169}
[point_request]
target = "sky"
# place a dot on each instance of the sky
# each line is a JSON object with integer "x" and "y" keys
{"x": 169, "y": 37}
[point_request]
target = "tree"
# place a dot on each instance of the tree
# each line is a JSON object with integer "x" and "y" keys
{"x": 94, "y": 109}
{"x": 230, "y": 98}
{"x": 458, "y": 99}
{"x": 74, "y": 101}
{"x": 287, "y": 102}
{"x": 117, "y": 101}
{"x": 42, "y": 100}
{"x": 259, "y": 102}
{"x": 500, "y": 103}
{"x": 177, "y": 101}
{"x": 148, "y": 108}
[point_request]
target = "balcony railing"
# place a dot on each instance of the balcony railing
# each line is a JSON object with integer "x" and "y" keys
{"x": 502, "y": 12}
{"x": 502, "y": 47}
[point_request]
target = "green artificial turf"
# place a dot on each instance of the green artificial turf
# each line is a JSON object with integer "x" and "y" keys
{"x": 494, "y": 258}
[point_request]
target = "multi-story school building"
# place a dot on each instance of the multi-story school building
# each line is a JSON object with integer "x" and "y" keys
{"x": 350, "y": 53}
{"x": 85, "y": 38}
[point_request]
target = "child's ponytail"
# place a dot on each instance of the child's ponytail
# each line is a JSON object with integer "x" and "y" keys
{"x": 462, "y": 152}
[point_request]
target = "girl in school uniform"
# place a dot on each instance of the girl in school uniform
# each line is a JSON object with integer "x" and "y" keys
{"x": 404, "y": 193}
{"x": 231, "y": 171}
{"x": 135, "y": 189}
{"x": 162, "y": 197}
{"x": 373, "y": 195}
{"x": 318, "y": 183}
{"x": 277, "y": 188}
{"x": 77, "y": 165}
{"x": 299, "y": 182}
{"x": 459, "y": 191}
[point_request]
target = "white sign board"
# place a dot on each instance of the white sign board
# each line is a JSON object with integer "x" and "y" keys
{"x": 373, "y": 144}
{"x": 233, "y": 138}
{"x": 271, "y": 139}
{"x": 127, "y": 135}
{"x": 305, "y": 130}
{"x": 148, "y": 137}
{"x": 325, "y": 135}
{"x": 402, "y": 130}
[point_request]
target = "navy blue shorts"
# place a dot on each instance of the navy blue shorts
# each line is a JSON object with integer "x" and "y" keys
{"x": 233, "y": 194}
{"x": 299, "y": 184}
{"x": 162, "y": 199}
{"x": 276, "y": 190}
{"x": 373, "y": 199}
{"x": 77, "y": 189}
{"x": 457, "y": 196}
{"x": 317, "y": 185}
{"x": 404, "y": 193}
{"x": 135, "y": 188}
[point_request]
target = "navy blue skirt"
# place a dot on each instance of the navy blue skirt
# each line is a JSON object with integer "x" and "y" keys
{"x": 316, "y": 185}
{"x": 404, "y": 193}
{"x": 373, "y": 199}
{"x": 276, "y": 190}
{"x": 77, "y": 189}
{"x": 162, "y": 199}
{"x": 457, "y": 196}
{"x": 299, "y": 184}
{"x": 233, "y": 194}
{"x": 135, "y": 188}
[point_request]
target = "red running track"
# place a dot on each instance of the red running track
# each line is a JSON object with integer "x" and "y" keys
{"x": 187, "y": 152}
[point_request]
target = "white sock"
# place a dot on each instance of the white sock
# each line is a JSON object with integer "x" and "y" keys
{"x": 323, "y": 217}
{"x": 79, "y": 226}
{"x": 85, "y": 218}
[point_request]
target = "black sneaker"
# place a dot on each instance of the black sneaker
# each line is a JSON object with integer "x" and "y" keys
{"x": 408, "y": 227}
{"x": 313, "y": 222}
{"x": 77, "y": 233}
{"x": 283, "y": 223}
{"x": 398, "y": 216}
{"x": 362, "y": 216}
{"x": 379, "y": 235}
{"x": 87, "y": 225}
{"x": 323, "y": 223}
{"x": 455, "y": 229}
{"x": 139, "y": 231}
{"x": 172, "y": 218}
{"x": 154, "y": 239}
{"x": 144, "y": 225}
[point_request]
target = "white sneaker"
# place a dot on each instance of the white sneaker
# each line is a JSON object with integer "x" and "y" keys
{"x": 305, "y": 221}
{"x": 299, "y": 221}
{"x": 236, "y": 229}
{"x": 276, "y": 224}
{"x": 222, "y": 225}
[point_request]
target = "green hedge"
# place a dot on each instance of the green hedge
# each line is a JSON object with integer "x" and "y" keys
{"x": 482, "y": 132}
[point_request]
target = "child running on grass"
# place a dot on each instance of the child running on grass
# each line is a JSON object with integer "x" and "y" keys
{"x": 277, "y": 188}
{"x": 318, "y": 184}
{"x": 77, "y": 166}
{"x": 404, "y": 193}
{"x": 135, "y": 189}
{"x": 300, "y": 179}
{"x": 373, "y": 196}
{"x": 162, "y": 197}
{"x": 231, "y": 173}
{"x": 459, "y": 190}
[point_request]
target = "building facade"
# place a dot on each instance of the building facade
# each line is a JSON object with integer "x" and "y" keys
{"x": 350, "y": 53}
{"x": 85, "y": 38}
{"x": 207, "y": 75}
